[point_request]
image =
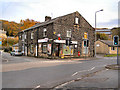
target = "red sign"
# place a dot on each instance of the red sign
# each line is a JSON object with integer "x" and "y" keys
{"x": 78, "y": 53}
{"x": 59, "y": 38}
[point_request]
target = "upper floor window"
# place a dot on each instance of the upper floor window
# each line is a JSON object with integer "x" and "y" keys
{"x": 32, "y": 35}
{"x": 44, "y": 32}
{"x": 76, "y": 20}
{"x": 69, "y": 33}
{"x": 22, "y": 37}
{"x": 25, "y": 36}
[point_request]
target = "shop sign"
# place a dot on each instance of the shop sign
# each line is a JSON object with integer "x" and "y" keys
{"x": 74, "y": 42}
{"x": 42, "y": 40}
{"x": 59, "y": 41}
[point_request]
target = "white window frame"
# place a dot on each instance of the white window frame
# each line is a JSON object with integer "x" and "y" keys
{"x": 22, "y": 37}
{"x": 76, "y": 20}
{"x": 69, "y": 33}
{"x": 25, "y": 36}
{"x": 44, "y": 32}
{"x": 112, "y": 48}
{"x": 32, "y": 33}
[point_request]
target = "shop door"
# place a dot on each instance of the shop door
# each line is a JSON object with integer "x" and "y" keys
{"x": 57, "y": 49}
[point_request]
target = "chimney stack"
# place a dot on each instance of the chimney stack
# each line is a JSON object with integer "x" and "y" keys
{"x": 47, "y": 18}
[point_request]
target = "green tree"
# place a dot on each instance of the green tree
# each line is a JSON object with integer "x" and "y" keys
{"x": 116, "y": 31}
{"x": 101, "y": 36}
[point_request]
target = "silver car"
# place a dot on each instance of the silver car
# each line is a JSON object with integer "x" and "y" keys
{"x": 16, "y": 53}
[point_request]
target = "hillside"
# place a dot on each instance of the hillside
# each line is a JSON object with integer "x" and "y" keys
{"x": 13, "y": 28}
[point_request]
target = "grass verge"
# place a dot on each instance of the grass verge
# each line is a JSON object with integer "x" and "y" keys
{"x": 111, "y": 55}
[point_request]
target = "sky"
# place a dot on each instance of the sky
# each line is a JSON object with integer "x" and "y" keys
{"x": 15, "y": 10}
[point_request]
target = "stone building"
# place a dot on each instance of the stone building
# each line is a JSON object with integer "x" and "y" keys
{"x": 65, "y": 36}
{"x": 106, "y": 47}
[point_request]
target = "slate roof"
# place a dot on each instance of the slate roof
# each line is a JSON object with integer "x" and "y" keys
{"x": 41, "y": 24}
{"x": 109, "y": 42}
{"x": 47, "y": 22}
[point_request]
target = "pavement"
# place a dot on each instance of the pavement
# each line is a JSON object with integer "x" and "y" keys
{"x": 101, "y": 80}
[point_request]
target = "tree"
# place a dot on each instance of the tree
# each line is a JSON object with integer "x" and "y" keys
{"x": 101, "y": 36}
{"x": 116, "y": 31}
{"x": 13, "y": 28}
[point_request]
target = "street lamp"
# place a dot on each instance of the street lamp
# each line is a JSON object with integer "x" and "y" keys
{"x": 95, "y": 29}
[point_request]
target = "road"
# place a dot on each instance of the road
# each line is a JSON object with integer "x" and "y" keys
{"x": 30, "y": 72}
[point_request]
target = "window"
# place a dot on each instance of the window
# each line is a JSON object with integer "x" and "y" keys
{"x": 112, "y": 48}
{"x": 32, "y": 35}
{"x": 22, "y": 37}
{"x": 25, "y": 36}
{"x": 31, "y": 48}
{"x": 44, "y": 48}
{"x": 68, "y": 33}
{"x": 76, "y": 20}
{"x": 44, "y": 32}
{"x": 85, "y": 35}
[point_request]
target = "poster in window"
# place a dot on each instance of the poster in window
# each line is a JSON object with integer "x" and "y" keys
{"x": 68, "y": 50}
{"x": 49, "y": 48}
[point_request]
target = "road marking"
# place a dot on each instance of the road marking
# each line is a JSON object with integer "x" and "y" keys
{"x": 36, "y": 87}
{"x": 82, "y": 71}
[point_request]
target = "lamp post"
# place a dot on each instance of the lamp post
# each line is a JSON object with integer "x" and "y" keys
{"x": 95, "y": 29}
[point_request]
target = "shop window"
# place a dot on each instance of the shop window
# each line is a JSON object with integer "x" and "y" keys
{"x": 44, "y": 48}
{"x": 76, "y": 20}
{"x": 31, "y": 48}
{"x": 112, "y": 48}
{"x": 69, "y": 33}
{"x": 44, "y": 32}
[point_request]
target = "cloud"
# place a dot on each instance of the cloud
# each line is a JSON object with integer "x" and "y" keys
{"x": 14, "y": 10}
{"x": 111, "y": 23}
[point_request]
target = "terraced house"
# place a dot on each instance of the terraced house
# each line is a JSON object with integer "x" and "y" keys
{"x": 65, "y": 36}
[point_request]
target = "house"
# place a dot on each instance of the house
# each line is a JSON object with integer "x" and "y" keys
{"x": 3, "y": 34}
{"x": 106, "y": 47}
{"x": 69, "y": 36}
{"x": 15, "y": 47}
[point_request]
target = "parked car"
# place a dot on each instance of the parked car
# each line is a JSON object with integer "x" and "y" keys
{"x": 16, "y": 53}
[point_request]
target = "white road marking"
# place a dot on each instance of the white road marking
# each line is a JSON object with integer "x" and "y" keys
{"x": 36, "y": 87}
{"x": 83, "y": 71}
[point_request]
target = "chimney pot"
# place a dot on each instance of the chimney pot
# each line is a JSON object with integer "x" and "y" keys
{"x": 47, "y": 18}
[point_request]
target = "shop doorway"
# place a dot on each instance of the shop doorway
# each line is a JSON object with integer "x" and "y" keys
{"x": 57, "y": 49}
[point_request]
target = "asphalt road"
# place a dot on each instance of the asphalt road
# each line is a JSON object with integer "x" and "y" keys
{"x": 42, "y": 73}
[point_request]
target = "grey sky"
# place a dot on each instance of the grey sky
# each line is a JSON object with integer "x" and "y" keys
{"x": 15, "y": 10}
